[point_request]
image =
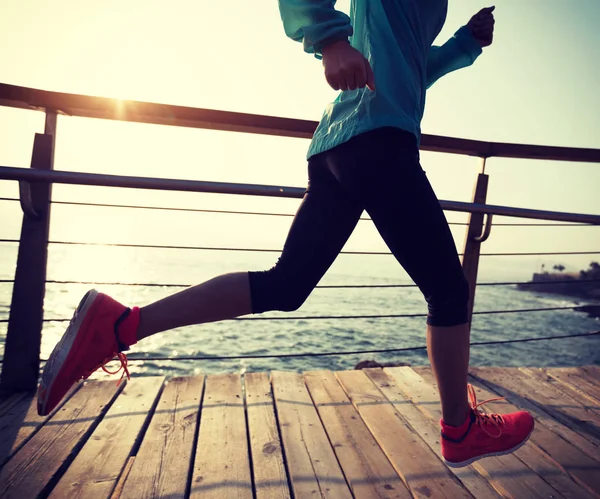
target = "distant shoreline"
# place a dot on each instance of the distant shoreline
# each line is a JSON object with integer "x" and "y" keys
{"x": 563, "y": 284}
{"x": 584, "y": 285}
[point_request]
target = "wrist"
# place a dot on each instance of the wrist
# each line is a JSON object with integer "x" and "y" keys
{"x": 333, "y": 45}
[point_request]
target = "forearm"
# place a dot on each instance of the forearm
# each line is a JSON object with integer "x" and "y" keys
{"x": 315, "y": 23}
{"x": 458, "y": 52}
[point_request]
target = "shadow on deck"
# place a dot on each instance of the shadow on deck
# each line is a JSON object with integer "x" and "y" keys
{"x": 370, "y": 433}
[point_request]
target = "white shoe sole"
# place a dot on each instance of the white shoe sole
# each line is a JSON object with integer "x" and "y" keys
{"x": 502, "y": 453}
{"x": 61, "y": 350}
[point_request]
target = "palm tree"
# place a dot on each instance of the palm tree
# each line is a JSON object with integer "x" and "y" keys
{"x": 559, "y": 267}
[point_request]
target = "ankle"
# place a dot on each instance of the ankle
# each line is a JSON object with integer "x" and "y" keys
{"x": 128, "y": 327}
{"x": 456, "y": 433}
{"x": 456, "y": 417}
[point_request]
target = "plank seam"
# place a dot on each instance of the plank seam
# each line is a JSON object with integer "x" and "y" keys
{"x": 11, "y": 399}
{"x": 248, "y": 440}
{"x": 541, "y": 407}
{"x": 418, "y": 435}
{"x": 146, "y": 424}
{"x": 537, "y": 447}
{"x": 562, "y": 383}
{"x": 192, "y": 463}
{"x": 120, "y": 482}
{"x": 41, "y": 425}
{"x": 327, "y": 435}
{"x": 124, "y": 473}
{"x": 45, "y": 492}
{"x": 278, "y": 426}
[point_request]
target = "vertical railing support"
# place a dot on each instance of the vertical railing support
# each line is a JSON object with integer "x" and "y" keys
{"x": 473, "y": 240}
{"x": 20, "y": 369}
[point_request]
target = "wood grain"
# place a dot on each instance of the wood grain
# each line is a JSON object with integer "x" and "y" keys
{"x": 366, "y": 467}
{"x": 429, "y": 431}
{"x": 31, "y": 469}
{"x": 163, "y": 462}
{"x": 507, "y": 474}
{"x": 312, "y": 465}
{"x": 270, "y": 477}
{"x": 421, "y": 470}
{"x": 95, "y": 470}
{"x": 222, "y": 463}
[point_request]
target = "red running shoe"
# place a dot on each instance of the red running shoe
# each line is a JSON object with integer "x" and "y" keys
{"x": 483, "y": 435}
{"x": 91, "y": 341}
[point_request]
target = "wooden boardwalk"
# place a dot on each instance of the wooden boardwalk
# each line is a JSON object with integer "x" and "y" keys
{"x": 370, "y": 433}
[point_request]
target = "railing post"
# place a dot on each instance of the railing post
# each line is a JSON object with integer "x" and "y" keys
{"x": 20, "y": 369}
{"x": 470, "y": 261}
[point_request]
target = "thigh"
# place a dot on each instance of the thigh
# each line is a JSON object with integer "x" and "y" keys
{"x": 322, "y": 225}
{"x": 387, "y": 178}
{"x": 412, "y": 223}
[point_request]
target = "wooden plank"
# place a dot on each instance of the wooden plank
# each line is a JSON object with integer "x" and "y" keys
{"x": 270, "y": 477}
{"x": 576, "y": 378}
{"x": 222, "y": 466}
{"x": 592, "y": 373}
{"x": 507, "y": 474}
{"x": 429, "y": 431}
{"x": 8, "y": 400}
{"x": 312, "y": 465}
{"x": 163, "y": 462}
{"x": 116, "y": 493}
{"x": 19, "y": 421}
{"x": 591, "y": 406}
{"x": 96, "y": 469}
{"x": 552, "y": 457}
{"x": 562, "y": 465}
{"x": 421, "y": 470}
{"x": 31, "y": 469}
{"x": 520, "y": 390}
{"x": 367, "y": 469}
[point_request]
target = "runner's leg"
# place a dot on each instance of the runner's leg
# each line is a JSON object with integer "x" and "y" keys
{"x": 324, "y": 222}
{"x": 385, "y": 175}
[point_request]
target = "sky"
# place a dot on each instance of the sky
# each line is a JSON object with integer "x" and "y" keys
{"x": 537, "y": 84}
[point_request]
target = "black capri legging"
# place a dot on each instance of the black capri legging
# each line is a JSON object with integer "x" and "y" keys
{"x": 378, "y": 171}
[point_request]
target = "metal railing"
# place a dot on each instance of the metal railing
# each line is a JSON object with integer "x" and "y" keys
{"x": 20, "y": 367}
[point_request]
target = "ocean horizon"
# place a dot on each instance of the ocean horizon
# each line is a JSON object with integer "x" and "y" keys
{"x": 293, "y": 333}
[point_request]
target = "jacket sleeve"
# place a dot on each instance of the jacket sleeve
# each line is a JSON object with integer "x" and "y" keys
{"x": 315, "y": 23}
{"x": 458, "y": 52}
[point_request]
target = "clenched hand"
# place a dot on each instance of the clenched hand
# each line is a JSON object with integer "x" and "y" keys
{"x": 346, "y": 68}
{"x": 482, "y": 26}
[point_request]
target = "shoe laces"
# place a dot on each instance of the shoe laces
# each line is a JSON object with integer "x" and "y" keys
{"x": 123, "y": 358}
{"x": 120, "y": 356}
{"x": 482, "y": 419}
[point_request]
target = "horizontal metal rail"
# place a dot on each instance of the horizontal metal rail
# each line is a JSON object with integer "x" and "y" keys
{"x": 64, "y": 177}
{"x": 324, "y": 286}
{"x": 151, "y": 358}
{"x": 164, "y": 114}
{"x": 271, "y": 214}
{"x": 355, "y": 317}
{"x": 200, "y": 210}
{"x": 275, "y": 250}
